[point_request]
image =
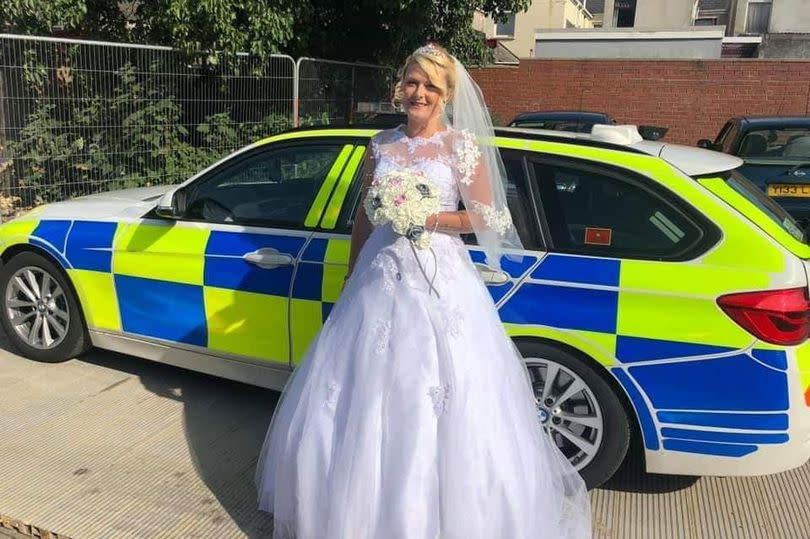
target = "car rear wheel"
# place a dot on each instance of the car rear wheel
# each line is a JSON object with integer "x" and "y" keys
{"x": 40, "y": 312}
{"x": 579, "y": 409}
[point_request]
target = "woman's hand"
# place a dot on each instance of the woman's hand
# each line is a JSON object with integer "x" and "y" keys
{"x": 432, "y": 222}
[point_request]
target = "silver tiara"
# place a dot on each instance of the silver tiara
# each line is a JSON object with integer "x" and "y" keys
{"x": 430, "y": 50}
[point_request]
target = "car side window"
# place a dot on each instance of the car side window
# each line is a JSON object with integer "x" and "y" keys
{"x": 730, "y": 139}
{"x": 722, "y": 134}
{"x": 275, "y": 186}
{"x": 600, "y": 211}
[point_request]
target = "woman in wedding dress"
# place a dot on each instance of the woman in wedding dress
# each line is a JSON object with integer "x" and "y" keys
{"x": 411, "y": 416}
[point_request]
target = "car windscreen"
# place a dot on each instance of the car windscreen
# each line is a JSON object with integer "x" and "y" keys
{"x": 783, "y": 144}
{"x": 574, "y": 126}
{"x": 755, "y": 196}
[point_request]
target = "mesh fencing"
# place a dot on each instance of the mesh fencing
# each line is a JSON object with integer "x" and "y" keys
{"x": 339, "y": 93}
{"x": 81, "y": 117}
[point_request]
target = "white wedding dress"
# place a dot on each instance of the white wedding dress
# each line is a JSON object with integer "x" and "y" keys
{"x": 411, "y": 416}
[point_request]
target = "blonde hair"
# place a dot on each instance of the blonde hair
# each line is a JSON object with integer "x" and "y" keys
{"x": 439, "y": 66}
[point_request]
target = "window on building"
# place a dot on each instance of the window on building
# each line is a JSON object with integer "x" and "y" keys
{"x": 706, "y": 21}
{"x": 758, "y": 16}
{"x": 506, "y": 28}
{"x": 624, "y": 13}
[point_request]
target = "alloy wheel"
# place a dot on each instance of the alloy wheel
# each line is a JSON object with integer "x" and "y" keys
{"x": 37, "y": 308}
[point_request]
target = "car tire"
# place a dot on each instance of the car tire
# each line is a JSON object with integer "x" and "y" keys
{"x": 61, "y": 333}
{"x": 604, "y": 434}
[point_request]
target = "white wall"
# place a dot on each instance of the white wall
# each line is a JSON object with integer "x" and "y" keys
{"x": 790, "y": 16}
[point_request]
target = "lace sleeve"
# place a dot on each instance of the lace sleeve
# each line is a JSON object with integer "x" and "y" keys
{"x": 476, "y": 190}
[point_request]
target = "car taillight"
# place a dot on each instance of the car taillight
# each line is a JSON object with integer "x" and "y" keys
{"x": 774, "y": 316}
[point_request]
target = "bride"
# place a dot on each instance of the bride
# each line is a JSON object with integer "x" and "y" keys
{"x": 411, "y": 415}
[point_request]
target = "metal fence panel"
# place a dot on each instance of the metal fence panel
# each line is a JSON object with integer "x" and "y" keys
{"x": 79, "y": 117}
{"x": 331, "y": 92}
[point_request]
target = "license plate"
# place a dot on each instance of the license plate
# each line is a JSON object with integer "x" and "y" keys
{"x": 789, "y": 190}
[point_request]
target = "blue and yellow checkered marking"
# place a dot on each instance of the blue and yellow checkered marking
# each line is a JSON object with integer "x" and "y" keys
{"x": 548, "y": 305}
{"x": 657, "y": 370}
{"x": 746, "y": 421}
{"x": 53, "y": 232}
{"x": 225, "y": 268}
{"x": 664, "y": 383}
{"x": 644, "y": 418}
{"x": 632, "y": 349}
{"x": 575, "y": 269}
{"x": 162, "y": 309}
{"x": 203, "y": 301}
{"x": 89, "y": 246}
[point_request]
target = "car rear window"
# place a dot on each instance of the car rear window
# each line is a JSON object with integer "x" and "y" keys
{"x": 787, "y": 144}
{"x": 774, "y": 211}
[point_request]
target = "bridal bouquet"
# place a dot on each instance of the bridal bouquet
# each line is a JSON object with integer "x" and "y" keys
{"x": 405, "y": 199}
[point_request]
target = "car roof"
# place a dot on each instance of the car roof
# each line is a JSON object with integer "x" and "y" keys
{"x": 776, "y": 121}
{"x": 561, "y": 115}
{"x": 688, "y": 159}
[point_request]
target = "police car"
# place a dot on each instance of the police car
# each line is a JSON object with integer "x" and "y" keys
{"x": 659, "y": 294}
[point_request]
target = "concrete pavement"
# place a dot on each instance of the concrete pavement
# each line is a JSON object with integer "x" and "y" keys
{"x": 114, "y": 446}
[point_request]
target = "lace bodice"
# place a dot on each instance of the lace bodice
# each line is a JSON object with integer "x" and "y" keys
{"x": 439, "y": 157}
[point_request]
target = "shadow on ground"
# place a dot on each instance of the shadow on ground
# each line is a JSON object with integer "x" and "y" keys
{"x": 225, "y": 423}
{"x": 631, "y": 477}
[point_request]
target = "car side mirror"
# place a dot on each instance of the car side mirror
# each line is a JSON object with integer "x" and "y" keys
{"x": 705, "y": 143}
{"x": 167, "y": 207}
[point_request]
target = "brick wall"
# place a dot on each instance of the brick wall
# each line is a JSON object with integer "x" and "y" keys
{"x": 694, "y": 98}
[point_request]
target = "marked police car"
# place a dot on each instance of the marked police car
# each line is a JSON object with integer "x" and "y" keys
{"x": 659, "y": 292}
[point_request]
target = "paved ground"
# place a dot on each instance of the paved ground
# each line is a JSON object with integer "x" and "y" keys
{"x": 114, "y": 446}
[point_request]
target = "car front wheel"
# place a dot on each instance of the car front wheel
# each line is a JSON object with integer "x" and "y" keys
{"x": 579, "y": 409}
{"x": 40, "y": 312}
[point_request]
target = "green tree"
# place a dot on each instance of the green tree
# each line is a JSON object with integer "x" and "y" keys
{"x": 386, "y": 31}
{"x": 370, "y": 30}
{"x": 259, "y": 27}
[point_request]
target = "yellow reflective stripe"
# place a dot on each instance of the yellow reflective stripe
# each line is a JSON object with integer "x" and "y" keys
{"x": 97, "y": 297}
{"x": 332, "y": 212}
{"x": 299, "y": 134}
{"x": 335, "y": 266}
{"x": 18, "y": 230}
{"x": 337, "y": 251}
{"x": 695, "y": 320}
{"x": 173, "y": 252}
{"x": 306, "y": 323}
{"x": 326, "y": 189}
{"x": 247, "y": 324}
{"x": 599, "y": 346}
{"x": 803, "y": 359}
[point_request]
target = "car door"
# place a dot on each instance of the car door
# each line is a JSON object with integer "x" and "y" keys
{"x": 319, "y": 279}
{"x": 624, "y": 278}
{"x": 219, "y": 278}
{"x": 324, "y": 262}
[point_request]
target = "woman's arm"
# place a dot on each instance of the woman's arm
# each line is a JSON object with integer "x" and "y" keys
{"x": 453, "y": 222}
{"x": 361, "y": 229}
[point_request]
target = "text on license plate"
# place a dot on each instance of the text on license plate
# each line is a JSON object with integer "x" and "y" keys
{"x": 789, "y": 190}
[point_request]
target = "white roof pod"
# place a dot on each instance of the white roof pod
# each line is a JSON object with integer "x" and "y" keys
{"x": 616, "y": 134}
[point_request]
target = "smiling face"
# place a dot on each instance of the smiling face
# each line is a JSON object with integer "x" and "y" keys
{"x": 421, "y": 97}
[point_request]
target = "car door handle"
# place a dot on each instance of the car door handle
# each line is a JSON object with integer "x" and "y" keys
{"x": 268, "y": 258}
{"x": 492, "y": 276}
